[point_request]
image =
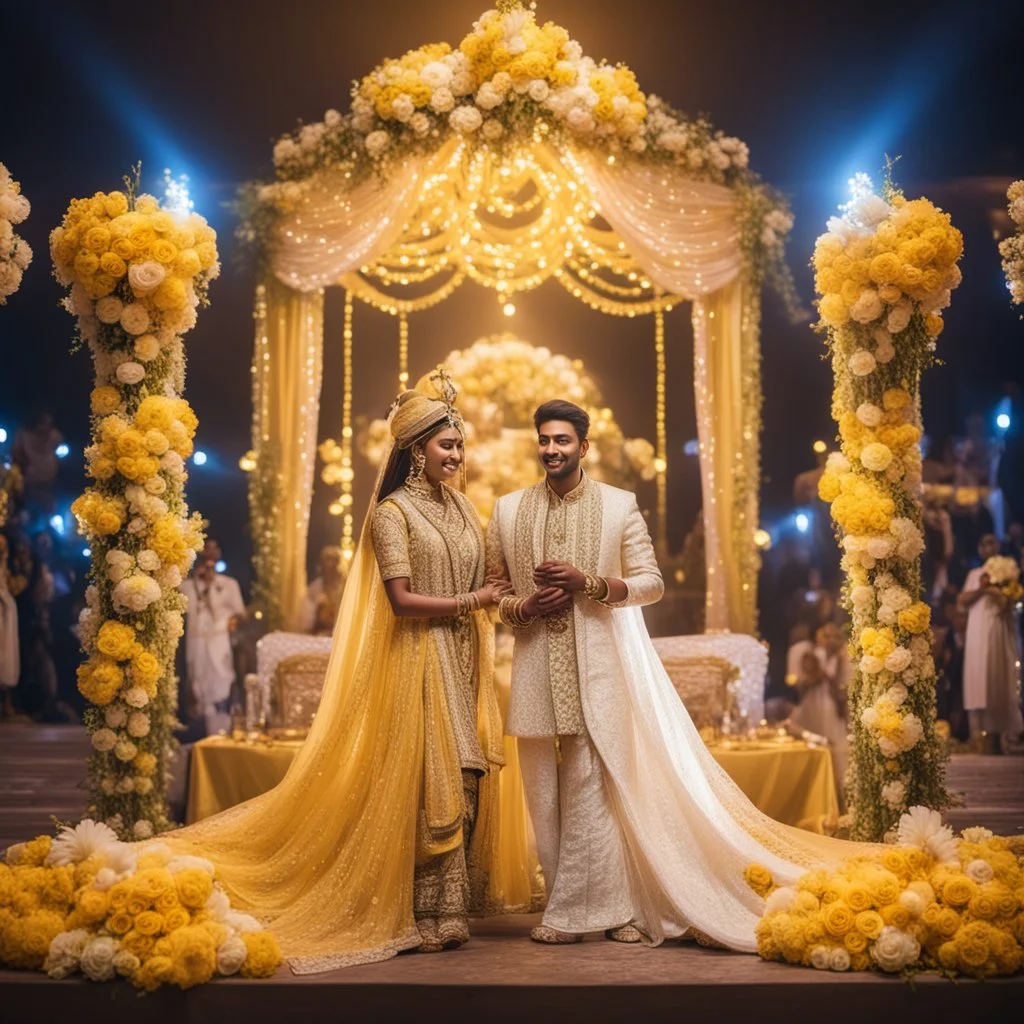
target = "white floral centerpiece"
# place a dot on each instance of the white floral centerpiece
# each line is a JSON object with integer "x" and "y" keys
{"x": 136, "y": 274}
{"x": 15, "y": 252}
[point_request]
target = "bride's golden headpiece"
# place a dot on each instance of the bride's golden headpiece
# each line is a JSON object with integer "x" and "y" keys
{"x": 416, "y": 413}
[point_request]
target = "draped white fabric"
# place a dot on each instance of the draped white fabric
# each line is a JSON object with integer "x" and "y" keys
{"x": 690, "y": 830}
{"x": 334, "y": 230}
{"x": 682, "y": 232}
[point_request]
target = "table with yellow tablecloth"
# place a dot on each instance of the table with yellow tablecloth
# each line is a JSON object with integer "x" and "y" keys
{"x": 789, "y": 781}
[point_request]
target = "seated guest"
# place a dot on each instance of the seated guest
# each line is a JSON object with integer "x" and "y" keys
{"x": 323, "y": 596}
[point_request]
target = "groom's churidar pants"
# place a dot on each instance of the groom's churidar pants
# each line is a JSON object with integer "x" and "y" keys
{"x": 579, "y": 841}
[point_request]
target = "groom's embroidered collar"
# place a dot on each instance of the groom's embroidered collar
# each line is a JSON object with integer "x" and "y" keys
{"x": 554, "y": 501}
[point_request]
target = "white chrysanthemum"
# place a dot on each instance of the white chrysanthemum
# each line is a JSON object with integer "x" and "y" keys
{"x": 869, "y": 211}
{"x": 218, "y": 905}
{"x": 74, "y": 845}
{"x": 539, "y": 90}
{"x": 436, "y": 74}
{"x": 136, "y": 697}
{"x": 231, "y": 954}
{"x": 242, "y": 923}
{"x": 125, "y": 750}
{"x": 465, "y": 119}
{"x": 895, "y": 949}
{"x": 492, "y": 129}
{"x": 979, "y": 871}
{"x": 487, "y": 97}
{"x": 97, "y": 960}
{"x": 899, "y": 317}
{"x": 130, "y": 373}
{"x": 923, "y": 828}
{"x": 147, "y": 348}
{"x": 115, "y": 716}
{"x": 138, "y": 724}
{"x": 403, "y": 107}
{"x": 880, "y": 547}
{"x": 870, "y": 665}
{"x": 869, "y": 414}
{"x": 862, "y": 596}
{"x": 142, "y": 829}
{"x": 124, "y": 785}
{"x": 136, "y": 592}
{"x": 442, "y": 101}
{"x": 876, "y": 457}
{"x": 837, "y": 463}
{"x": 376, "y": 142}
{"x": 579, "y": 119}
{"x": 148, "y": 560}
{"x": 135, "y": 318}
{"x": 899, "y": 660}
{"x": 420, "y": 123}
{"x": 867, "y": 308}
{"x": 894, "y": 793}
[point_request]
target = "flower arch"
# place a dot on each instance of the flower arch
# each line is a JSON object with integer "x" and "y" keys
{"x": 509, "y": 160}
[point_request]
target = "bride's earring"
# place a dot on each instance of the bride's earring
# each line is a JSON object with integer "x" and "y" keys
{"x": 417, "y": 465}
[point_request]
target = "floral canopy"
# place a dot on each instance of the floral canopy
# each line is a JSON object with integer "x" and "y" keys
{"x": 508, "y": 160}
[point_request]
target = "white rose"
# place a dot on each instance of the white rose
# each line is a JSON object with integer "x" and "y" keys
{"x": 138, "y": 724}
{"x": 837, "y": 462}
{"x": 894, "y": 949}
{"x": 899, "y": 318}
{"x": 136, "y": 593}
{"x": 436, "y": 74}
{"x": 419, "y": 123}
{"x": 218, "y": 905}
{"x": 97, "y": 959}
{"x": 862, "y": 362}
{"x": 462, "y": 83}
{"x": 125, "y": 750}
{"x": 780, "y": 900}
{"x": 839, "y": 959}
{"x": 108, "y": 309}
{"x": 115, "y": 716}
{"x": 880, "y": 547}
{"x": 911, "y": 730}
{"x": 487, "y": 97}
{"x": 539, "y": 90}
{"x": 580, "y": 119}
{"x": 135, "y": 318}
{"x": 979, "y": 871}
{"x": 154, "y": 485}
{"x": 147, "y": 348}
{"x": 169, "y": 577}
{"x": 820, "y": 957}
{"x": 136, "y": 697}
{"x": 231, "y": 954}
{"x": 465, "y": 119}
{"x": 125, "y": 963}
{"x": 131, "y": 373}
{"x": 492, "y": 129}
{"x": 145, "y": 278}
{"x": 894, "y": 793}
{"x": 148, "y": 560}
{"x": 442, "y": 101}
{"x": 898, "y": 660}
{"x": 402, "y": 107}
{"x": 869, "y": 414}
{"x": 125, "y": 785}
{"x": 862, "y": 596}
{"x": 142, "y": 829}
{"x": 911, "y": 901}
{"x": 104, "y": 740}
{"x": 870, "y": 665}
{"x": 376, "y": 142}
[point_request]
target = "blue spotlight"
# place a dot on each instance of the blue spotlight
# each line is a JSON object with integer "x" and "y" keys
{"x": 57, "y": 524}
{"x": 1003, "y": 421}
{"x": 692, "y": 447}
{"x": 199, "y": 458}
{"x": 221, "y": 566}
{"x": 62, "y": 451}
{"x": 3, "y": 435}
{"x": 803, "y": 521}
{"x": 87, "y": 552}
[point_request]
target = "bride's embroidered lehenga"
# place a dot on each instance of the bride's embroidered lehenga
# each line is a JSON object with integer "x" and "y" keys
{"x": 389, "y": 814}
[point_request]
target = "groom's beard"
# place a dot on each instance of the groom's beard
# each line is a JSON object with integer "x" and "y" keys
{"x": 562, "y": 470}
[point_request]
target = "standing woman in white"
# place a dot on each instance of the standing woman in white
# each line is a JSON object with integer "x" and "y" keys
{"x": 991, "y": 654}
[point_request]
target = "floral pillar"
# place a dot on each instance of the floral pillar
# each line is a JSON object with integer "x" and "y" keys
{"x": 884, "y": 272}
{"x": 136, "y": 275}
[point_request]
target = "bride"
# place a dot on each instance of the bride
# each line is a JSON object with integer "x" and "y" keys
{"x": 383, "y": 835}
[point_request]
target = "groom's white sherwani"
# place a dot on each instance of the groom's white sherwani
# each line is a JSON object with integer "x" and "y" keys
{"x": 556, "y": 674}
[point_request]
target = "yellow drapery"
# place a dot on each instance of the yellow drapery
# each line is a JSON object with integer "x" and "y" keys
{"x": 726, "y": 356}
{"x": 287, "y": 373}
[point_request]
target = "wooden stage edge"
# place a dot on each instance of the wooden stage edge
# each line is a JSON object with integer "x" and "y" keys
{"x": 501, "y": 976}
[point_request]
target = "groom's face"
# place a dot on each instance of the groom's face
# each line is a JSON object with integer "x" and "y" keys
{"x": 560, "y": 449}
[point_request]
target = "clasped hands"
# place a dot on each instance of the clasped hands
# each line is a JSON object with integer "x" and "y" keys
{"x": 556, "y": 583}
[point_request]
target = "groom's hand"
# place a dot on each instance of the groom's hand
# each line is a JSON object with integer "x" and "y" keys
{"x": 546, "y": 601}
{"x": 559, "y": 574}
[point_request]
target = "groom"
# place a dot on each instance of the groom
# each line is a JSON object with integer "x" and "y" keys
{"x": 574, "y": 549}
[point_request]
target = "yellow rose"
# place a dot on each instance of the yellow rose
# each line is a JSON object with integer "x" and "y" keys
{"x": 123, "y": 248}
{"x": 838, "y": 919}
{"x": 194, "y": 956}
{"x": 137, "y": 943}
{"x": 93, "y": 905}
{"x": 916, "y": 618}
{"x": 131, "y": 443}
{"x": 858, "y": 897}
{"x": 137, "y": 904}
{"x": 153, "y": 973}
{"x": 119, "y": 923}
{"x": 114, "y": 265}
{"x": 149, "y": 923}
{"x": 933, "y": 325}
{"x": 890, "y": 293}
{"x": 885, "y": 268}
{"x": 104, "y": 400}
{"x": 163, "y": 251}
{"x": 97, "y": 239}
{"x": 194, "y": 888}
{"x": 170, "y": 295}
{"x": 115, "y": 639}
{"x": 896, "y": 915}
{"x": 86, "y": 264}
{"x": 264, "y": 955}
{"x": 870, "y": 923}
{"x": 946, "y": 922}
{"x": 187, "y": 264}
{"x": 855, "y": 941}
{"x": 207, "y": 253}
{"x": 176, "y": 918}
{"x": 984, "y": 906}
{"x": 759, "y": 879}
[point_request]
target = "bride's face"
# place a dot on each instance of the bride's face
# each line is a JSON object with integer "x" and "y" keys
{"x": 444, "y": 452}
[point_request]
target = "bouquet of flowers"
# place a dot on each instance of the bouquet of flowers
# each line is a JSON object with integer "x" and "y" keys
{"x": 1003, "y": 572}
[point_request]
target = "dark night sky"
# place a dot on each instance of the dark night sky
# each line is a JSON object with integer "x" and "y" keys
{"x": 817, "y": 90}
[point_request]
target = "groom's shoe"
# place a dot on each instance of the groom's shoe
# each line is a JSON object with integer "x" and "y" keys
{"x": 626, "y": 933}
{"x": 553, "y": 937}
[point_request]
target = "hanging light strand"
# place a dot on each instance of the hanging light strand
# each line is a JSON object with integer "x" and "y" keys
{"x": 661, "y": 445}
{"x": 347, "y": 474}
{"x": 403, "y": 352}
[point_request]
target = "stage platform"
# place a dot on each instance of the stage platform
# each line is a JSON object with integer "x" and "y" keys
{"x": 500, "y": 975}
